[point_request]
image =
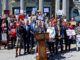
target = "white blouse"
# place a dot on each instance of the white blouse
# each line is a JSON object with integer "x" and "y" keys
{"x": 51, "y": 31}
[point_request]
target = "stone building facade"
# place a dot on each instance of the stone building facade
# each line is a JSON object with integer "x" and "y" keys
{"x": 49, "y": 6}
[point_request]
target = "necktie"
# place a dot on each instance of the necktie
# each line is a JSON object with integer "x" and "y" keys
{"x": 33, "y": 25}
{"x": 26, "y": 27}
{"x": 59, "y": 32}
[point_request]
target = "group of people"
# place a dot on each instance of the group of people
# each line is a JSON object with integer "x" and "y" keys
{"x": 21, "y": 30}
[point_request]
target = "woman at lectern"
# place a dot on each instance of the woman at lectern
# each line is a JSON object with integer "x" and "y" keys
{"x": 39, "y": 28}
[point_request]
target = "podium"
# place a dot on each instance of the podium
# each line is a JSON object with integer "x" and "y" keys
{"x": 41, "y": 38}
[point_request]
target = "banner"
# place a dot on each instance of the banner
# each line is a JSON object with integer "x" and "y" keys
{"x": 73, "y": 22}
{"x": 70, "y": 32}
{"x": 6, "y": 11}
{"x": 59, "y": 12}
{"x": 4, "y": 37}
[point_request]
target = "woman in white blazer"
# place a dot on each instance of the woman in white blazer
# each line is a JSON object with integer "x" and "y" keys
{"x": 51, "y": 31}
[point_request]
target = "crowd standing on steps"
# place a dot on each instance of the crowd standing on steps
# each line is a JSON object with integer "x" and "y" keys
{"x": 21, "y": 29}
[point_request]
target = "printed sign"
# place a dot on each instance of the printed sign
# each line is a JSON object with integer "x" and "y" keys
{"x": 70, "y": 32}
{"x": 73, "y": 23}
{"x": 6, "y": 11}
{"x": 4, "y": 37}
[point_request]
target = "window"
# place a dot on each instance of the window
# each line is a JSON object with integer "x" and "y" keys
{"x": 76, "y": 0}
{"x": 75, "y": 13}
{"x": 46, "y": 10}
{"x": 47, "y": 0}
{"x": 60, "y": 4}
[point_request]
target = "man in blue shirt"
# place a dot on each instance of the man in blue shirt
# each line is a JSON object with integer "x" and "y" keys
{"x": 32, "y": 32}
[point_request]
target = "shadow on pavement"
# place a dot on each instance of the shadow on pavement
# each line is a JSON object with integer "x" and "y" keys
{"x": 57, "y": 57}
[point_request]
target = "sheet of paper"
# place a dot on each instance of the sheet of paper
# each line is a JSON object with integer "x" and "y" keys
{"x": 70, "y": 32}
{"x": 4, "y": 36}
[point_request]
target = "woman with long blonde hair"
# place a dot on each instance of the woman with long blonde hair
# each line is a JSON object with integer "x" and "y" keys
{"x": 39, "y": 28}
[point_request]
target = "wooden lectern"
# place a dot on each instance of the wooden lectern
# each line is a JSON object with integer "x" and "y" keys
{"x": 41, "y": 38}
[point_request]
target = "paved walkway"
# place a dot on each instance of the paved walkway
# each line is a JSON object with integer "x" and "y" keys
{"x": 10, "y": 55}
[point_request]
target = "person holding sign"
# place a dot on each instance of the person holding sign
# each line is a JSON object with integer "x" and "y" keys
{"x": 77, "y": 36}
{"x": 4, "y": 28}
{"x": 68, "y": 39}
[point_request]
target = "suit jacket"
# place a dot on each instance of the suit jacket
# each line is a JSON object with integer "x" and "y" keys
{"x": 61, "y": 31}
{"x": 26, "y": 30}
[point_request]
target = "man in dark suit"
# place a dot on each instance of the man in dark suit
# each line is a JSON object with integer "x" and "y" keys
{"x": 59, "y": 36}
{"x": 26, "y": 37}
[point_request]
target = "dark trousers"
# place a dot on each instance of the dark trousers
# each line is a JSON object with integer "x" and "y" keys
{"x": 32, "y": 41}
{"x": 68, "y": 44}
{"x": 0, "y": 40}
{"x": 26, "y": 42}
{"x": 51, "y": 46}
{"x": 57, "y": 45}
{"x": 0, "y": 37}
{"x": 13, "y": 40}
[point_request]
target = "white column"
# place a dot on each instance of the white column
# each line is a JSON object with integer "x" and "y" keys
{"x": 0, "y": 7}
{"x": 21, "y": 6}
{"x": 41, "y": 5}
{"x": 5, "y": 4}
{"x": 66, "y": 8}
{"x": 57, "y": 6}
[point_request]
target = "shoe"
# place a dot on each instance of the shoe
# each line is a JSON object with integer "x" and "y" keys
{"x": 16, "y": 56}
{"x": 19, "y": 54}
{"x": 56, "y": 53}
{"x": 62, "y": 53}
{"x": 24, "y": 53}
{"x": 28, "y": 52}
{"x": 77, "y": 50}
{"x": 70, "y": 51}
